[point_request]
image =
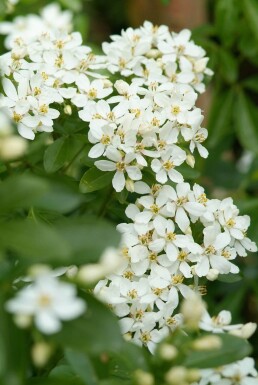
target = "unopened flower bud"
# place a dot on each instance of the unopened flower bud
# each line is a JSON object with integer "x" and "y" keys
{"x": 68, "y": 109}
{"x": 72, "y": 271}
{"x": 207, "y": 343}
{"x": 192, "y": 309}
{"x": 109, "y": 261}
{"x": 193, "y": 375}
{"x": 168, "y": 352}
{"x": 38, "y": 269}
{"x": 190, "y": 160}
{"x": 127, "y": 336}
{"x": 246, "y": 331}
{"x": 41, "y": 353}
{"x": 143, "y": 378}
{"x": 188, "y": 231}
{"x": 18, "y": 53}
{"x": 176, "y": 375}
{"x": 212, "y": 274}
{"x": 91, "y": 273}
{"x": 129, "y": 185}
{"x": 12, "y": 147}
{"x": 23, "y": 321}
{"x": 153, "y": 53}
{"x": 200, "y": 65}
{"x": 121, "y": 87}
{"x": 107, "y": 83}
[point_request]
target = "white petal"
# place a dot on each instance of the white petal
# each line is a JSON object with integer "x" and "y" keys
{"x": 118, "y": 181}
{"x": 47, "y": 322}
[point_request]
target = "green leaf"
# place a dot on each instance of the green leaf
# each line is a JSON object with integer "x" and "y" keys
{"x": 246, "y": 122}
{"x": 188, "y": 172}
{"x": 61, "y": 197}
{"x": 251, "y": 12}
{"x": 220, "y": 117}
{"x": 230, "y": 278}
{"x": 82, "y": 366}
{"x": 21, "y": 191}
{"x": 251, "y": 83}
{"x": 34, "y": 241}
{"x": 88, "y": 236}
{"x": 126, "y": 361}
{"x": 53, "y": 381}
{"x": 95, "y": 332}
{"x": 232, "y": 349}
{"x": 94, "y": 180}
{"x": 75, "y": 5}
{"x": 228, "y": 66}
{"x": 13, "y": 364}
{"x": 226, "y": 20}
{"x": 56, "y": 154}
{"x": 247, "y": 205}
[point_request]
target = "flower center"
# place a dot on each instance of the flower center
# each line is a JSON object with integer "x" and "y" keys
{"x": 182, "y": 256}
{"x": 175, "y": 110}
{"x": 105, "y": 139}
{"x": 171, "y": 236}
{"x": 168, "y": 165}
{"x": 145, "y": 337}
{"x": 92, "y": 94}
{"x": 176, "y": 279}
{"x": 154, "y": 208}
{"x": 44, "y": 300}
{"x": 132, "y": 294}
{"x": 120, "y": 166}
{"x": 230, "y": 222}
{"x": 210, "y": 250}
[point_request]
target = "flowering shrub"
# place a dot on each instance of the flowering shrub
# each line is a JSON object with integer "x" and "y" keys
{"x": 134, "y": 108}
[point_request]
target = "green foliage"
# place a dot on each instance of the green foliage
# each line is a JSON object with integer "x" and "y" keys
{"x": 56, "y": 207}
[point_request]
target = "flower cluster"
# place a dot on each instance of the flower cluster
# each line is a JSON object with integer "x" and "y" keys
{"x": 49, "y": 301}
{"x": 241, "y": 372}
{"x": 51, "y": 67}
{"x": 28, "y": 28}
{"x": 152, "y": 119}
{"x": 176, "y": 235}
{"x": 164, "y": 255}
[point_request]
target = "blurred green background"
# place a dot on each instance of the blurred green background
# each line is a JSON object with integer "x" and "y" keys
{"x": 228, "y": 30}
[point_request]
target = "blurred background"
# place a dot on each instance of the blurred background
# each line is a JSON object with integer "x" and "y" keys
{"x": 228, "y": 31}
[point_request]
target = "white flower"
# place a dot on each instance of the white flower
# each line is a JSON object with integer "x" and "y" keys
{"x": 165, "y": 168}
{"x": 243, "y": 370}
{"x": 219, "y": 323}
{"x": 214, "y": 242}
{"x": 49, "y": 301}
{"x": 120, "y": 164}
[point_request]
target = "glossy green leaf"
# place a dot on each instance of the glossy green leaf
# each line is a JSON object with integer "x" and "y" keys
{"x": 94, "y": 179}
{"x": 34, "y": 241}
{"x": 246, "y": 122}
{"x": 229, "y": 278}
{"x": 21, "y": 191}
{"x": 219, "y": 123}
{"x": 232, "y": 349}
{"x": 75, "y": 5}
{"x": 88, "y": 236}
{"x": 56, "y": 155}
{"x": 95, "y": 332}
{"x": 226, "y": 20}
{"x": 251, "y": 83}
{"x": 53, "y": 381}
{"x": 126, "y": 361}
{"x": 228, "y": 65}
{"x": 251, "y": 11}
{"x": 82, "y": 366}
{"x": 62, "y": 197}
